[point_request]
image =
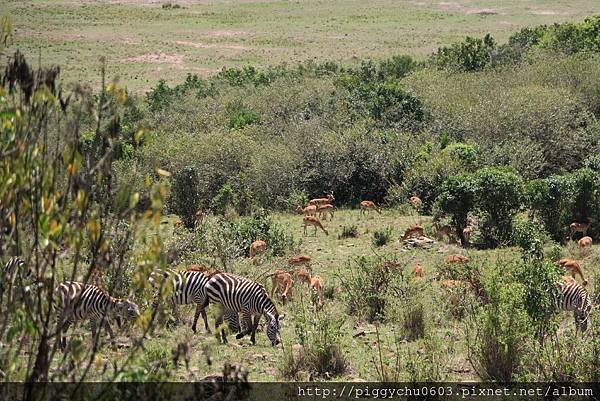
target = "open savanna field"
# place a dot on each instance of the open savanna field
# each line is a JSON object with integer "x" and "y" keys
{"x": 143, "y": 41}
{"x": 212, "y": 129}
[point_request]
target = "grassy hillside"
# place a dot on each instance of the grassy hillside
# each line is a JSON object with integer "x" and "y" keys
{"x": 143, "y": 41}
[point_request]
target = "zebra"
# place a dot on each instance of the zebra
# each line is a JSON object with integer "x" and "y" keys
{"x": 574, "y": 297}
{"x": 79, "y": 301}
{"x": 13, "y": 269}
{"x": 187, "y": 287}
{"x": 239, "y": 294}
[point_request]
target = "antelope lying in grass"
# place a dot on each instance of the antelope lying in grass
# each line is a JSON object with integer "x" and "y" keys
{"x": 414, "y": 230}
{"x": 456, "y": 258}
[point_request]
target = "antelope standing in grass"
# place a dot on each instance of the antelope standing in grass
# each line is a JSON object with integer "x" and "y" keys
{"x": 315, "y": 222}
{"x": 281, "y": 280}
{"x": 326, "y": 210}
{"x": 315, "y": 283}
{"x": 299, "y": 260}
{"x": 415, "y": 202}
{"x": 258, "y": 247}
{"x": 366, "y": 206}
{"x": 310, "y": 210}
{"x": 322, "y": 201}
{"x": 578, "y": 227}
{"x": 573, "y": 268}
{"x": 584, "y": 243}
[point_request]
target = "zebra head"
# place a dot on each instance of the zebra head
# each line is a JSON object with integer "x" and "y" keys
{"x": 18, "y": 265}
{"x": 273, "y": 328}
{"x": 129, "y": 309}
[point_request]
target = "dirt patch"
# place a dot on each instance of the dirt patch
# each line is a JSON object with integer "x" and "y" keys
{"x": 549, "y": 12}
{"x": 157, "y": 58}
{"x": 453, "y": 6}
{"x": 199, "y": 45}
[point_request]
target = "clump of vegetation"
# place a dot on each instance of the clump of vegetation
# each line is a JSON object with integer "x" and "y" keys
{"x": 382, "y": 237}
{"x": 318, "y": 351}
{"x": 350, "y": 231}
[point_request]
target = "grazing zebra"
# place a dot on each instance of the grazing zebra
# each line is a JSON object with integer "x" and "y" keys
{"x": 189, "y": 287}
{"x": 574, "y": 297}
{"x": 80, "y": 301}
{"x": 247, "y": 297}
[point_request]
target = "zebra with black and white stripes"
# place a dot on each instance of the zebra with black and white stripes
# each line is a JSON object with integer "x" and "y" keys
{"x": 12, "y": 269}
{"x": 80, "y": 301}
{"x": 574, "y": 297}
{"x": 186, "y": 287}
{"x": 241, "y": 295}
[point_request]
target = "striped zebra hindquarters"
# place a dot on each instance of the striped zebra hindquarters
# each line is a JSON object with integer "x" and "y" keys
{"x": 574, "y": 297}
{"x": 248, "y": 298}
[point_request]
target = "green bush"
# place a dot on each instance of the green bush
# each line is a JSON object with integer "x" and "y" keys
{"x": 457, "y": 199}
{"x": 502, "y": 331}
{"x": 472, "y": 54}
{"x": 241, "y": 118}
{"x": 319, "y": 338}
{"x": 530, "y": 237}
{"x": 184, "y": 199}
{"x": 349, "y": 232}
{"x": 382, "y": 237}
{"x": 499, "y": 195}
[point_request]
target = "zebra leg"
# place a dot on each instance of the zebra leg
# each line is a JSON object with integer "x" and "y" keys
{"x": 255, "y": 319}
{"x": 218, "y": 323}
{"x": 247, "y": 321}
{"x": 200, "y": 310}
{"x": 110, "y": 333}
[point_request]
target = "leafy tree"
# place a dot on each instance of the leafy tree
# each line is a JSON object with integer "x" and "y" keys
{"x": 457, "y": 199}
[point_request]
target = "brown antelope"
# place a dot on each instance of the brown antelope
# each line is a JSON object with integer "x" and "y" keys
{"x": 418, "y": 271}
{"x": 568, "y": 279}
{"x": 322, "y": 201}
{"x": 315, "y": 283}
{"x": 367, "y": 206}
{"x": 178, "y": 223}
{"x": 443, "y": 232}
{"x": 310, "y": 210}
{"x": 584, "y": 243}
{"x": 573, "y": 268}
{"x": 414, "y": 230}
{"x": 577, "y": 227}
{"x": 325, "y": 210}
{"x": 256, "y": 248}
{"x": 197, "y": 268}
{"x": 450, "y": 284}
{"x": 315, "y": 222}
{"x": 415, "y": 202}
{"x": 199, "y": 218}
{"x": 281, "y": 279}
{"x": 456, "y": 258}
{"x": 467, "y": 235}
{"x": 299, "y": 260}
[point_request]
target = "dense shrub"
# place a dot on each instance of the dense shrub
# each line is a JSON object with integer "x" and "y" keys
{"x": 560, "y": 200}
{"x": 499, "y": 195}
{"x": 472, "y": 54}
{"x": 457, "y": 199}
{"x": 382, "y": 237}
{"x": 184, "y": 199}
{"x": 502, "y": 330}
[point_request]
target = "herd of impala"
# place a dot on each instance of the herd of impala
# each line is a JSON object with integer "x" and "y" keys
{"x": 322, "y": 209}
